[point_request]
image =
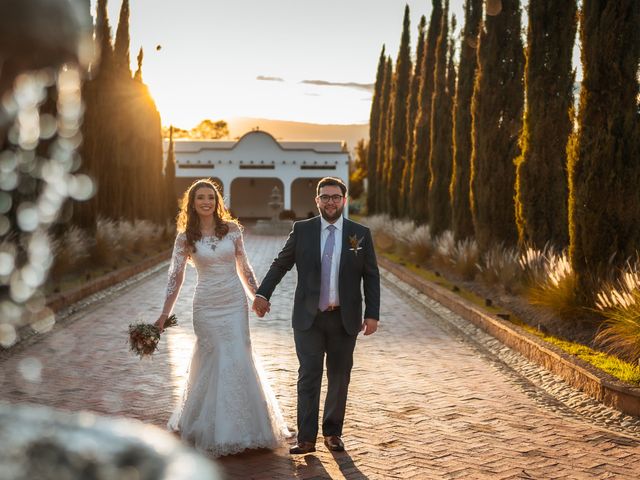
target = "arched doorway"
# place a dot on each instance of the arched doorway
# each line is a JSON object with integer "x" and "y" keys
{"x": 250, "y": 196}
{"x": 303, "y": 194}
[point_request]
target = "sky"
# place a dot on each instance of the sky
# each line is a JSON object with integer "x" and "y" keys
{"x": 277, "y": 59}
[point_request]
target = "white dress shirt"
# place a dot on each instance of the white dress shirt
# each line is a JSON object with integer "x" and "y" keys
{"x": 334, "y": 299}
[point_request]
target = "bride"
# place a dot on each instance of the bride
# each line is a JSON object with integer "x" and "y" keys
{"x": 226, "y": 406}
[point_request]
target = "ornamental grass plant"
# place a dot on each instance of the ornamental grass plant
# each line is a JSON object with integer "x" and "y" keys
{"x": 78, "y": 256}
{"x": 401, "y": 231}
{"x": 421, "y": 247}
{"x": 465, "y": 258}
{"x": 70, "y": 251}
{"x": 552, "y": 284}
{"x": 619, "y": 304}
{"x": 533, "y": 277}
{"x": 500, "y": 266}
{"x": 107, "y": 247}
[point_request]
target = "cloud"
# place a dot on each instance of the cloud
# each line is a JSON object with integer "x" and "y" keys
{"x": 323, "y": 83}
{"x": 269, "y": 79}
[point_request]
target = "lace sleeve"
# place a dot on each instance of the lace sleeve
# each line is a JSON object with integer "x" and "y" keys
{"x": 245, "y": 271}
{"x": 176, "y": 272}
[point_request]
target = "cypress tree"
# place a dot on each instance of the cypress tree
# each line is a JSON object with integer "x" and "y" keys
{"x": 398, "y": 134}
{"x": 422, "y": 140}
{"x": 122, "y": 143}
{"x": 103, "y": 39}
{"x": 497, "y": 117}
{"x": 374, "y": 125}
{"x": 383, "y": 136}
{"x": 121, "y": 47}
{"x": 98, "y": 147}
{"x": 138, "y": 75}
{"x": 412, "y": 113}
{"x": 604, "y": 154}
{"x": 170, "y": 178}
{"x": 461, "y": 220}
{"x": 541, "y": 177}
{"x": 440, "y": 157}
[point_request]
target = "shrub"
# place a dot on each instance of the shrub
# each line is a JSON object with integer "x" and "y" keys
{"x": 106, "y": 247}
{"x": 465, "y": 257}
{"x": 401, "y": 231}
{"x": 619, "y": 303}
{"x": 534, "y": 264}
{"x": 145, "y": 236}
{"x": 556, "y": 288}
{"x": 127, "y": 235}
{"x": 378, "y": 223}
{"x": 443, "y": 248}
{"x": 70, "y": 252}
{"x": 421, "y": 246}
{"x": 500, "y": 266}
{"x": 380, "y": 230}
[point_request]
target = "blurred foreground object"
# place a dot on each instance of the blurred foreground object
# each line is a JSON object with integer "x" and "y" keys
{"x": 37, "y": 34}
{"x": 39, "y": 443}
{"x": 46, "y": 48}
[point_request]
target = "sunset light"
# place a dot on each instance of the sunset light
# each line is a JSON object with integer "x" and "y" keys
{"x": 286, "y": 60}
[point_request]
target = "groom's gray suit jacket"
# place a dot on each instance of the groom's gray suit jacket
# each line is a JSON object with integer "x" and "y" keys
{"x": 358, "y": 272}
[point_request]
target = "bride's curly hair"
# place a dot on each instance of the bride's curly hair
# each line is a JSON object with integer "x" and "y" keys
{"x": 188, "y": 220}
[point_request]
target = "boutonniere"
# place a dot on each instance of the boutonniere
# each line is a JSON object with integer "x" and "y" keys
{"x": 355, "y": 244}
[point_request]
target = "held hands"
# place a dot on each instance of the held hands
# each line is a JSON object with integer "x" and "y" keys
{"x": 369, "y": 326}
{"x": 261, "y": 306}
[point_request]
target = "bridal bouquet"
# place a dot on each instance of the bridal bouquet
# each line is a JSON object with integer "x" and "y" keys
{"x": 144, "y": 337}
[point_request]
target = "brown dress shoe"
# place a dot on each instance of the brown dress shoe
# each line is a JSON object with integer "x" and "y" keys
{"x": 303, "y": 447}
{"x": 334, "y": 443}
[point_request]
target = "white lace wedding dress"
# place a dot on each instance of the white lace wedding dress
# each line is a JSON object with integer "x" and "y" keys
{"x": 227, "y": 405}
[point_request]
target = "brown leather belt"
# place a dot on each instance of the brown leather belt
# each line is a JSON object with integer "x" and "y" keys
{"x": 332, "y": 308}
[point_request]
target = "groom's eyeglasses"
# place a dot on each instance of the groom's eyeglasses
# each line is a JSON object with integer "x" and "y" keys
{"x": 333, "y": 198}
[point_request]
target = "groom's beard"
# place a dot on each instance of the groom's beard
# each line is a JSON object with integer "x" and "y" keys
{"x": 331, "y": 217}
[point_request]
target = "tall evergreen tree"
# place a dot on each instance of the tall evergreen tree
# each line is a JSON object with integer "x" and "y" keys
{"x": 103, "y": 38}
{"x": 541, "y": 176}
{"x": 374, "y": 125}
{"x": 412, "y": 113}
{"x": 383, "y": 137}
{"x": 138, "y": 75}
{"x": 122, "y": 144}
{"x": 422, "y": 140}
{"x": 358, "y": 169}
{"x": 461, "y": 220}
{"x": 121, "y": 48}
{"x": 440, "y": 157}
{"x": 170, "y": 178}
{"x": 398, "y": 134}
{"x": 97, "y": 128}
{"x": 497, "y": 117}
{"x": 604, "y": 154}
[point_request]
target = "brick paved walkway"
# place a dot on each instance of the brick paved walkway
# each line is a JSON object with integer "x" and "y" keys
{"x": 423, "y": 404}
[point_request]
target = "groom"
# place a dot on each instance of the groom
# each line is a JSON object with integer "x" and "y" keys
{"x": 333, "y": 257}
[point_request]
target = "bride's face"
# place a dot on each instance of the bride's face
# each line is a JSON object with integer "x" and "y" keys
{"x": 205, "y": 202}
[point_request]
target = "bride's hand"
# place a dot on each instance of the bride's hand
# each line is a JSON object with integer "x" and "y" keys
{"x": 160, "y": 322}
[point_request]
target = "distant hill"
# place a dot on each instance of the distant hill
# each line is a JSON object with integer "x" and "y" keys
{"x": 285, "y": 130}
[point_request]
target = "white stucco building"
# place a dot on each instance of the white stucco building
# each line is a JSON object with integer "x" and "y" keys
{"x": 247, "y": 170}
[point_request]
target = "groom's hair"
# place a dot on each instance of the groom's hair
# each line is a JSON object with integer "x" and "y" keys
{"x": 331, "y": 181}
